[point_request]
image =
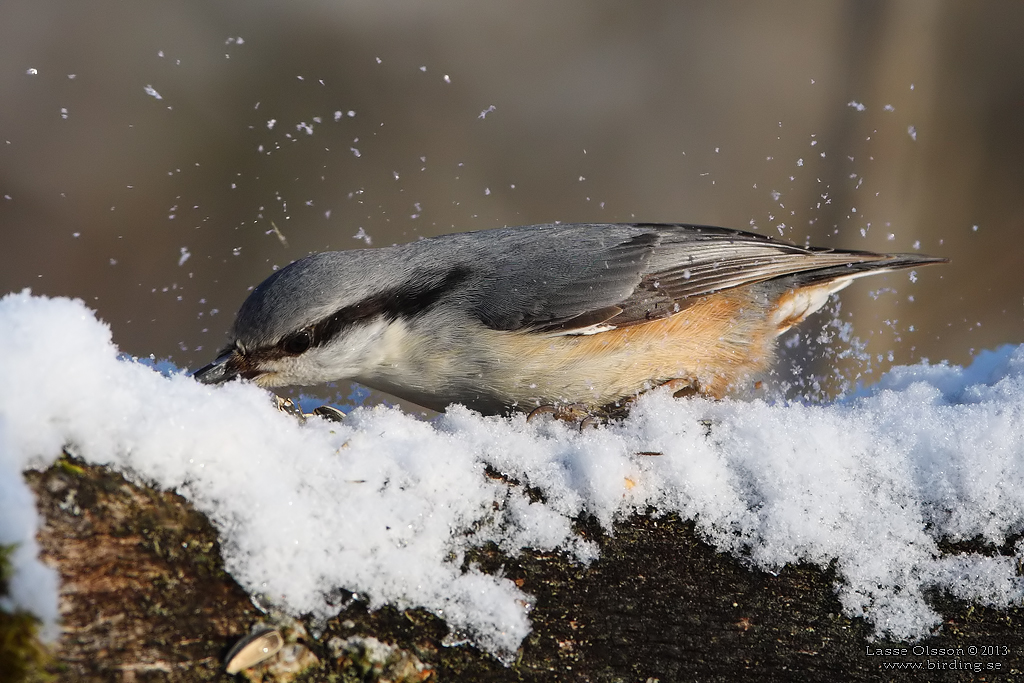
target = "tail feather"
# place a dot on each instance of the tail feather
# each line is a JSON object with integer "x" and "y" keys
{"x": 851, "y": 271}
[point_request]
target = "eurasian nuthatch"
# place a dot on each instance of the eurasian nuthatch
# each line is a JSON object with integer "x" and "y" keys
{"x": 544, "y": 314}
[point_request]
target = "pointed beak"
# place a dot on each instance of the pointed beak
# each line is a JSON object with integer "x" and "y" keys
{"x": 226, "y": 368}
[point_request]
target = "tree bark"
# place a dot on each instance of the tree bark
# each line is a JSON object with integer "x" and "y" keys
{"x": 144, "y": 597}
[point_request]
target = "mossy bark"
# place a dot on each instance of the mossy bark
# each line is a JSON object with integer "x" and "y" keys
{"x": 145, "y": 597}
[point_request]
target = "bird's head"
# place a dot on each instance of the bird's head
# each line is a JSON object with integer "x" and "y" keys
{"x": 324, "y": 317}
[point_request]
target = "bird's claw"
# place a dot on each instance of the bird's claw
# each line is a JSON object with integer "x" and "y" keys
{"x": 289, "y": 407}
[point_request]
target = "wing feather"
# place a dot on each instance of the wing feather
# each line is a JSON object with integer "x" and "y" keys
{"x": 567, "y": 279}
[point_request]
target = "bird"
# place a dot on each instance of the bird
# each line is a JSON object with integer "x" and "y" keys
{"x": 512, "y": 319}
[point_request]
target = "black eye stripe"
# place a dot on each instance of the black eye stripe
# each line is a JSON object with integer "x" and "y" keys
{"x": 400, "y": 302}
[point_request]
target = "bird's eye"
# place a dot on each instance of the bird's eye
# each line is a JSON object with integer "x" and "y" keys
{"x": 297, "y": 343}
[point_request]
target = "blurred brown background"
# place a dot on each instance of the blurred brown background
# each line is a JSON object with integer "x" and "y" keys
{"x": 136, "y": 134}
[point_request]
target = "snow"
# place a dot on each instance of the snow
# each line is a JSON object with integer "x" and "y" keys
{"x": 386, "y": 505}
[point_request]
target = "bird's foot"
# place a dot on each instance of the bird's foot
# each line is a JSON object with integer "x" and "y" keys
{"x": 681, "y": 388}
{"x": 586, "y": 416}
{"x": 289, "y": 407}
{"x": 578, "y": 414}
